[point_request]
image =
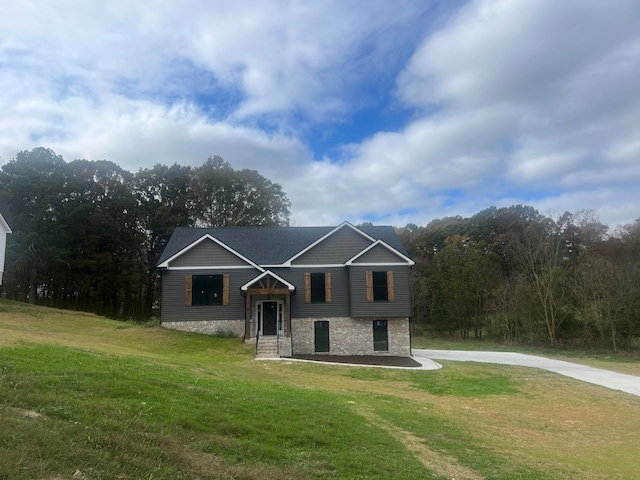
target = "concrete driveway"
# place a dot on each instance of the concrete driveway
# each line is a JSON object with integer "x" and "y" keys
{"x": 605, "y": 378}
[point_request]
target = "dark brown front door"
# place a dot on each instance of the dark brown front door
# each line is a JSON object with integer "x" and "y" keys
{"x": 269, "y": 318}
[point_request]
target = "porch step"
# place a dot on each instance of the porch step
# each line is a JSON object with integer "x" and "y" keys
{"x": 267, "y": 347}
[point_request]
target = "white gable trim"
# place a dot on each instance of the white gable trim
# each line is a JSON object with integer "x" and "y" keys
{"x": 4, "y": 224}
{"x": 225, "y": 268}
{"x": 319, "y": 265}
{"x": 207, "y": 236}
{"x": 245, "y": 287}
{"x": 323, "y": 238}
{"x": 407, "y": 260}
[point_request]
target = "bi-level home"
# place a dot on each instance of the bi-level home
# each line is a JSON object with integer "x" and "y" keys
{"x": 293, "y": 290}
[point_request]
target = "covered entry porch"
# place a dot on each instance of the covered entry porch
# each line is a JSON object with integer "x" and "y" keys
{"x": 268, "y": 314}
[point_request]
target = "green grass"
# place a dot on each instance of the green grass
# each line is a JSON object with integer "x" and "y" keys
{"x": 85, "y": 396}
{"x": 458, "y": 381}
{"x": 128, "y": 417}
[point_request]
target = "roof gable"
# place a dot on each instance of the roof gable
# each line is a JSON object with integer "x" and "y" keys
{"x": 268, "y": 280}
{"x": 336, "y": 247}
{"x": 202, "y": 255}
{"x": 379, "y": 253}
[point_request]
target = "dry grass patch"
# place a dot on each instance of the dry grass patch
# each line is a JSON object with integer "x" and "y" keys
{"x": 559, "y": 421}
{"x": 207, "y": 465}
{"x": 443, "y": 465}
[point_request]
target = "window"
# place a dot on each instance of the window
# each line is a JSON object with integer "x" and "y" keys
{"x": 380, "y": 286}
{"x": 321, "y": 336}
{"x": 380, "y": 336}
{"x": 206, "y": 290}
{"x": 317, "y": 287}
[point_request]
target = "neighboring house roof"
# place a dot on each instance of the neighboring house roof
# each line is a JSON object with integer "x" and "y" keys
{"x": 4, "y": 224}
{"x": 272, "y": 245}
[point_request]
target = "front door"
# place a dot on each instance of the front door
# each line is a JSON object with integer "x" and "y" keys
{"x": 269, "y": 318}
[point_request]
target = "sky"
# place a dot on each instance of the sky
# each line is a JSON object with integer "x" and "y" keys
{"x": 392, "y": 112}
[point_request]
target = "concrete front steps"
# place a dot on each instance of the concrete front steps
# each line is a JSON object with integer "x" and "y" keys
{"x": 272, "y": 347}
{"x": 267, "y": 347}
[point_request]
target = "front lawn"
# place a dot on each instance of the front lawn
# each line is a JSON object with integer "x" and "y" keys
{"x": 86, "y": 397}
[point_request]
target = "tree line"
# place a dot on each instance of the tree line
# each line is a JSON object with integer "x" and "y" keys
{"x": 515, "y": 275}
{"x": 87, "y": 234}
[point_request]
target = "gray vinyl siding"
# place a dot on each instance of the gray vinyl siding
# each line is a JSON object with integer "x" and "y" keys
{"x": 207, "y": 254}
{"x": 379, "y": 254}
{"x": 401, "y": 307}
{"x": 339, "y": 306}
{"x": 336, "y": 249}
{"x": 173, "y": 308}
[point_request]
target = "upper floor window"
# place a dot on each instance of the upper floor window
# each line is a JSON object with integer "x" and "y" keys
{"x": 317, "y": 287}
{"x": 380, "y": 293}
{"x": 380, "y": 286}
{"x": 207, "y": 290}
{"x": 318, "y": 293}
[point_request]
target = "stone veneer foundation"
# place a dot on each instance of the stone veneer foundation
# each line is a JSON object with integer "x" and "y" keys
{"x": 351, "y": 336}
{"x": 231, "y": 328}
{"x": 347, "y": 336}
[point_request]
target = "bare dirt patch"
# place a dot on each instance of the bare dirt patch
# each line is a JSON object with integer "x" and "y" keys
{"x": 22, "y": 413}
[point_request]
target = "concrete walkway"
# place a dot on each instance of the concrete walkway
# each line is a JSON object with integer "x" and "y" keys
{"x": 605, "y": 378}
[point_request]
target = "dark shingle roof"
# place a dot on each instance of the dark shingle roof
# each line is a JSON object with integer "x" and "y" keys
{"x": 268, "y": 245}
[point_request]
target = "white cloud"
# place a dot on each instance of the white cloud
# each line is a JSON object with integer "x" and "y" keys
{"x": 139, "y": 133}
{"x": 551, "y": 87}
{"x": 274, "y": 55}
{"x": 517, "y": 52}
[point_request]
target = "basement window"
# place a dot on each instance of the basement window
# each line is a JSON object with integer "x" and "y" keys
{"x": 380, "y": 336}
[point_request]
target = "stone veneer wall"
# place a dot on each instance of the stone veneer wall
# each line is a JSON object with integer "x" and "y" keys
{"x": 351, "y": 336}
{"x": 347, "y": 336}
{"x": 284, "y": 346}
{"x": 234, "y": 328}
